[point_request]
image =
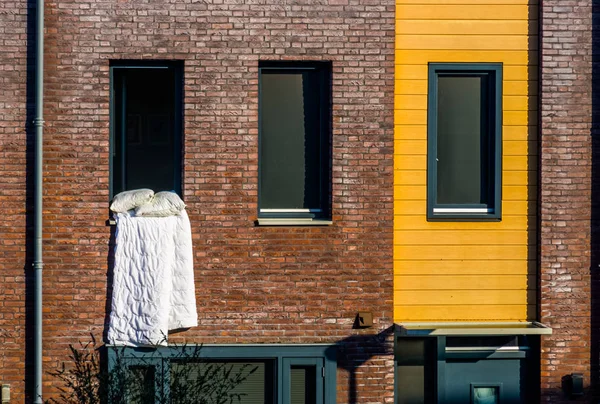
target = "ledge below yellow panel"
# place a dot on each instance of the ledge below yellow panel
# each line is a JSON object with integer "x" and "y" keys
{"x": 465, "y": 313}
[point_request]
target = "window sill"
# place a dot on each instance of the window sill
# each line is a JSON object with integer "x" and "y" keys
{"x": 461, "y": 217}
{"x": 270, "y": 221}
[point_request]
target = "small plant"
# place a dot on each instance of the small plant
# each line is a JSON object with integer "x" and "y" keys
{"x": 187, "y": 379}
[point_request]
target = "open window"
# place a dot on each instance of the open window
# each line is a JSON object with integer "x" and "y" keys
{"x": 146, "y": 126}
{"x": 294, "y": 122}
{"x": 464, "y": 135}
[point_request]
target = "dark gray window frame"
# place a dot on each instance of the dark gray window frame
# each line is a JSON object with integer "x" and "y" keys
{"x": 177, "y": 66}
{"x": 280, "y": 355}
{"x": 323, "y": 212}
{"x": 492, "y": 211}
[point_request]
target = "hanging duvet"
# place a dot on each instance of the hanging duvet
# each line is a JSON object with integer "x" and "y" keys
{"x": 153, "y": 282}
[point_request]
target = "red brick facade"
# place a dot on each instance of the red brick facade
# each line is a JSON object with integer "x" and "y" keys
{"x": 566, "y": 193}
{"x": 254, "y": 284}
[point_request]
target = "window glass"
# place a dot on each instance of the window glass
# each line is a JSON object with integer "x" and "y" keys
{"x": 302, "y": 384}
{"x": 485, "y": 395}
{"x": 461, "y": 140}
{"x": 249, "y": 382}
{"x": 415, "y": 370}
{"x": 147, "y": 122}
{"x": 141, "y": 388}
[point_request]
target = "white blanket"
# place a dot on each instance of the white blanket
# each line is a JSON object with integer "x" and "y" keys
{"x": 153, "y": 282}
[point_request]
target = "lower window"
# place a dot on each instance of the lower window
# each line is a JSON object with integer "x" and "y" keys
{"x": 207, "y": 374}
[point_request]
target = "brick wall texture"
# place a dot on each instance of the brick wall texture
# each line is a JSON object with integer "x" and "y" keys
{"x": 254, "y": 284}
{"x": 566, "y": 191}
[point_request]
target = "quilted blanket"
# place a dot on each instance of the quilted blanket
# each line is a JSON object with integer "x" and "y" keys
{"x": 153, "y": 282}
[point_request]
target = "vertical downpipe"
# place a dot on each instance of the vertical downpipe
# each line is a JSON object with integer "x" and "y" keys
{"x": 38, "y": 263}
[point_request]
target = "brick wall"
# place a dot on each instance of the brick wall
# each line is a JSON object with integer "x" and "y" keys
{"x": 254, "y": 284}
{"x": 566, "y": 190}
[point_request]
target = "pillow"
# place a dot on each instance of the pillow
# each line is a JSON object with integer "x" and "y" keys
{"x": 128, "y": 200}
{"x": 163, "y": 204}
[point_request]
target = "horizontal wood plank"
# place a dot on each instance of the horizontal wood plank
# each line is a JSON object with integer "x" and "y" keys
{"x": 467, "y": 42}
{"x": 479, "y": 266}
{"x": 464, "y": 237}
{"x": 478, "y": 11}
{"x": 403, "y": 221}
{"x": 464, "y": 297}
{"x": 509, "y": 58}
{"x": 503, "y": 312}
{"x": 464, "y": 252}
{"x": 466, "y": 27}
{"x": 463, "y": 282}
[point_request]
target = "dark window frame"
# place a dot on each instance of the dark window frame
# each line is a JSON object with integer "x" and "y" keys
{"x": 177, "y": 67}
{"x": 322, "y": 212}
{"x": 466, "y": 212}
{"x": 280, "y": 357}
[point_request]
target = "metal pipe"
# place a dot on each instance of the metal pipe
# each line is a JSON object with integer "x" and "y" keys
{"x": 38, "y": 263}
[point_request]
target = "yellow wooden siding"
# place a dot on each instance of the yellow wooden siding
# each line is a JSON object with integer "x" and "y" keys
{"x": 465, "y": 271}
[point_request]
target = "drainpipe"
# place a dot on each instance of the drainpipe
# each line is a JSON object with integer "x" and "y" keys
{"x": 38, "y": 263}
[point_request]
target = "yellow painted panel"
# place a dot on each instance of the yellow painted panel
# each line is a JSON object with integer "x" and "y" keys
{"x": 465, "y": 270}
{"x": 411, "y": 207}
{"x": 511, "y": 88}
{"x": 462, "y": 282}
{"x": 522, "y": 132}
{"x": 465, "y": 27}
{"x": 410, "y": 192}
{"x": 465, "y": 312}
{"x": 517, "y": 163}
{"x": 411, "y": 72}
{"x": 519, "y": 73}
{"x": 410, "y": 177}
{"x": 519, "y": 193}
{"x": 419, "y": 222}
{"x": 520, "y": 87}
{"x": 460, "y": 12}
{"x": 463, "y": 237}
{"x": 510, "y": 58}
{"x": 411, "y": 87}
{"x": 410, "y": 117}
{"x": 466, "y": 42}
{"x": 519, "y": 148}
{"x": 410, "y": 147}
{"x": 519, "y": 177}
{"x": 518, "y": 103}
{"x": 463, "y": 252}
{"x": 516, "y": 207}
{"x": 510, "y": 103}
{"x": 411, "y": 101}
{"x": 468, "y": 2}
{"x": 463, "y": 297}
{"x": 471, "y": 267}
{"x": 519, "y": 118}
{"x": 412, "y": 162}
{"x": 410, "y": 132}
{"x": 419, "y": 207}
{"x": 509, "y": 192}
